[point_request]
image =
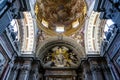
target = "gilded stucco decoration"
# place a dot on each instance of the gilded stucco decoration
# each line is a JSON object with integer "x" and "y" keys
{"x": 60, "y": 56}
{"x": 68, "y": 15}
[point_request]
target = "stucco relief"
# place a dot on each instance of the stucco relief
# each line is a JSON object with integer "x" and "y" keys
{"x": 60, "y": 56}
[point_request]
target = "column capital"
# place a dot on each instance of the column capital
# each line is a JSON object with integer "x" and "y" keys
{"x": 92, "y": 61}
{"x": 95, "y": 68}
{"x": 84, "y": 63}
{"x": 94, "y": 64}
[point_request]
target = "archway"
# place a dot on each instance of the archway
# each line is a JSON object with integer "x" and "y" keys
{"x": 60, "y": 55}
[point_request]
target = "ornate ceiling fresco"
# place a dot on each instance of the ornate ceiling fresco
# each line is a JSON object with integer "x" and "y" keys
{"x": 44, "y": 32}
{"x": 50, "y": 15}
{"x": 79, "y": 37}
{"x": 60, "y": 16}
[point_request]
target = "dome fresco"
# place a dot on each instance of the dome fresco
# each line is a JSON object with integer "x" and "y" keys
{"x": 59, "y": 16}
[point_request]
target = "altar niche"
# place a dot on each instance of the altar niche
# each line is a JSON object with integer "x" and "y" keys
{"x": 60, "y": 57}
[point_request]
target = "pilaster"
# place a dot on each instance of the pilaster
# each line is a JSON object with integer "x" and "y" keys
{"x": 86, "y": 70}
{"x": 95, "y": 69}
{"x": 25, "y": 70}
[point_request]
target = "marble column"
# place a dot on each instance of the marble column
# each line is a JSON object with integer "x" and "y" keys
{"x": 14, "y": 72}
{"x": 112, "y": 68}
{"x": 106, "y": 71}
{"x": 96, "y": 70}
{"x": 34, "y": 75}
{"x": 25, "y": 70}
{"x": 46, "y": 78}
{"x": 74, "y": 78}
{"x": 86, "y": 70}
{"x": 79, "y": 74}
{"x": 114, "y": 71}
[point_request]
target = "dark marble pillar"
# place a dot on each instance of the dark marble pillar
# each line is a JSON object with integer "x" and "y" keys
{"x": 114, "y": 71}
{"x": 74, "y": 78}
{"x": 79, "y": 74}
{"x": 86, "y": 70}
{"x": 46, "y": 78}
{"x": 34, "y": 74}
{"x": 106, "y": 71}
{"x": 96, "y": 70}
{"x": 25, "y": 70}
{"x": 14, "y": 72}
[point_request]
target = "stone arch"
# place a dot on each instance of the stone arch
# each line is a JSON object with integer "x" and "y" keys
{"x": 60, "y": 40}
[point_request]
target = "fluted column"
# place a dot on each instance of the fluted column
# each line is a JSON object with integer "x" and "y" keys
{"x": 14, "y": 72}
{"x": 25, "y": 70}
{"x": 96, "y": 70}
{"x": 10, "y": 69}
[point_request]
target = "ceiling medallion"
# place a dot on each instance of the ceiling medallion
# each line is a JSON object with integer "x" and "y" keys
{"x": 60, "y": 16}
